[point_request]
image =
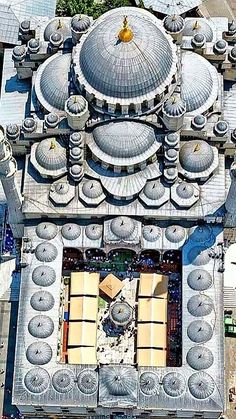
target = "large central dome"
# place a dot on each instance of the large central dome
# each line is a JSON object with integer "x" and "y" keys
{"x": 131, "y": 58}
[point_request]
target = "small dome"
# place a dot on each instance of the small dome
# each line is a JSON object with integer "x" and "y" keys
{"x": 172, "y": 139}
{"x": 76, "y": 153}
{"x": 39, "y": 353}
{"x": 33, "y": 45}
{"x": 46, "y": 231}
{"x": 51, "y": 154}
{"x": 198, "y": 256}
{"x": 171, "y": 154}
{"x": 122, "y": 227}
{"x": 175, "y": 233}
{"x": 76, "y": 139}
{"x": 60, "y": 25}
{"x": 199, "y": 121}
{"x": 199, "y": 331}
{"x": 52, "y": 119}
{"x": 29, "y": 124}
{"x": 171, "y": 173}
{"x": 120, "y": 381}
{"x": 76, "y": 104}
{"x": 200, "y": 305}
{"x": 87, "y": 381}
{"x": 173, "y": 23}
{"x": 232, "y": 54}
{"x": 25, "y": 25}
{"x": 174, "y": 384}
{"x": 46, "y": 252}
{"x": 233, "y": 135}
{"x": 220, "y": 46}
{"x": 62, "y": 188}
{"x": 63, "y": 380}
{"x": 149, "y": 383}
{"x": 19, "y": 51}
{"x": 76, "y": 170}
{"x": 200, "y": 233}
{"x": 201, "y": 385}
{"x": 194, "y": 26}
{"x": 200, "y": 358}
{"x": 232, "y": 27}
{"x": 71, "y": 231}
{"x": 174, "y": 107}
{"x": 199, "y": 38}
{"x": 185, "y": 190}
{"x": 92, "y": 189}
{"x": 44, "y": 275}
{"x": 42, "y": 301}
{"x": 154, "y": 190}
{"x": 80, "y": 23}
{"x": 37, "y": 380}
{"x": 56, "y": 38}
{"x": 196, "y": 156}
{"x": 93, "y": 231}
{"x": 121, "y": 313}
{"x": 41, "y": 326}
{"x": 151, "y": 233}
{"x": 221, "y": 127}
{"x": 199, "y": 280}
{"x": 12, "y": 130}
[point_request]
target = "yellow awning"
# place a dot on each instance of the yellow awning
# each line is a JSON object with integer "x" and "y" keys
{"x": 152, "y": 335}
{"x": 151, "y": 358}
{"x": 83, "y": 308}
{"x": 152, "y": 310}
{"x": 80, "y": 356}
{"x": 153, "y": 285}
{"x": 82, "y": 334}
{"x": 111, "y": 285}
{"x": 84, "y": 283}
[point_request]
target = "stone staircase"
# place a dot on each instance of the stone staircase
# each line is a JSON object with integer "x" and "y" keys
{"x": 230, "y": 107}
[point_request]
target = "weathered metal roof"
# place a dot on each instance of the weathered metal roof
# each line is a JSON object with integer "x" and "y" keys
{"x": 170, "y": 7}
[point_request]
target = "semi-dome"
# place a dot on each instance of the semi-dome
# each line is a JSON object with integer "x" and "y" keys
{"x": 122, "y": 227}
{"x": 41, "y": 326}
{"x": 121, "y": 313}
{"x": 46, "y": 252}
{"x": 118, "y": 68}
{"x": 92, "y": 189}
{"x": 194, "y": 26}
{"x": 174, "y": 384}
{"x": 173, "y": 23}
{"x": 196, "y": 156}
{"x": 199, "y": 280}
{"x": 149, "y": 383}
{"x": 71, "y": 231}
{"x": 50, "y": 154}
{"x": 46, "y": 230}
{"x": 185, "y": 190}
{"x": 175, "y": 233}
{"x": 80, "y": 23}
{"x": 87, "y": 381}
{"x": 120, "y": 381}
{"x": 37, "y": 380}
{"x": 60, "y": 25}
{"x": 200, "y": 305}
{"x": 199, "y": 83}
{"x": 52, "y": 82}
{"x": 200, "y": 233}
{"x": 199, "y": 331}
{"x": 93, "y": 231}
{"x": 44, "y": 275}
{"x": 63, "y": 380}
{"x": 154, "y": 190}
{"x": 201, "y": 385}
{"x": 151, "y": 233}
{"x": 42, "y": 301}
{"x": 39, "y": 353}
{"x": 200, "y": 357}
{"x": 198, "y": 256}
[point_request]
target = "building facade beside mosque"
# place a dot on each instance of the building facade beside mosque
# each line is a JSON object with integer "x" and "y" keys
{"x": 117, "y": 133}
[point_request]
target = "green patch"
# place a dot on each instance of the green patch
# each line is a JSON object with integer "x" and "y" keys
{"x": 101, "y": 303}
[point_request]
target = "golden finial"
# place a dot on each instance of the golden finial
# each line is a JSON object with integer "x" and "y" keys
{"x": 59, "y": 26}
{"x": 196, "y": 148}
{"x": 52, "y": 145}
{"x": 125, "y": 34}
{"x": 196, "y": 25}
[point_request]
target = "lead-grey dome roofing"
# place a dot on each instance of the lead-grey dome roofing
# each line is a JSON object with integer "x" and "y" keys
{"x": 175, "y": 233}
{"x": 46, "y": 252}
{"x": 39, "y": 353}
{"x": 59, "y": 25}
{"x": 174, "y": 384}
{"x": 194, "y": 26}
{"x": 71, "y": 231}
{"x": 121, "y": 313}
{"x": 80, "y": 23}
{"x": 201, "y": 385}
{"x": 37, "y": 380}
{"x": 196, "y": 156}
{"x": 93, "y": 231}
{"x": 76, "y": 104}
{"x": 46, "y": 230}
{"x": 92, "y": 188}
{"x": 174, "y": 106}
{"x": 199, "y": 280}
{"x": 87, "y": 381}
{"x": 185, "y": 190}
{"x": 42, "y": 301}
{"x": 200, "y": 357}
{"x": 149, "y": 383}
{"x": 199, "y": 84}
{"x": 41, "y": 326}
{"x": 200, "y": 305}
{"x": 51, "y": 154}
{"x": 198, "y": 256}
{"x": 199, "y": 331}
{"x": 173, "y": 23}
{"x": 44, "y": 275}
{"x": 110, "y": 68}
{"x": 122, "y": 227}
{"x": 124, "y": 143}
{"x": 151, "y": 233}
{"x": 154, "y": 190}
{"x": 52, "y": 82}
{"x": 63, "y": 380}
{"x": 120, "y": 381}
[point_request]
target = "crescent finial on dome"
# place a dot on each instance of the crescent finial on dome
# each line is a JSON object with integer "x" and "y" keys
{"x": 125, "y": 34}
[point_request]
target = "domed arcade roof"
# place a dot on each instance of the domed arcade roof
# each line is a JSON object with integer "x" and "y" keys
{"x": 44, "y": 275}
{"x": 37, "y": 380}
{"x": 196, "y": 156}
{"x": 122, "y": 227}
{"x": 200, "y": 357}
{"x": 149, "y": 383}
{"x": 201, "y": 385}
{"x": 49, "y": 157}
{"x": 60, "y": 25}
{"x": 63, "y": 380}
{"x": 194, "y": 26}
{"x": 39, "y": 353}
{"x": 199, "y": 279}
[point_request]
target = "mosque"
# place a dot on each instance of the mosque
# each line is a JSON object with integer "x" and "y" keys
{"x": 116, "y": 144}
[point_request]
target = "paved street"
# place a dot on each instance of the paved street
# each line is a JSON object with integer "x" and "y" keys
{"x": 219, "y": 8}
{"x": 230, "y": 372}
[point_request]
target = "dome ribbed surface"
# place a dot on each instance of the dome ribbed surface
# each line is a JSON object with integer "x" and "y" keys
{"x": 39, "y": 353}
{"x": 71, "y": 231}
{"x": 199, "y": 120}
{"x": 174, "y": 384}
{"x": 80, "y": 23}
{"x": 120, "y": 381}
{"x": 185, "y": 190}
{"x": 200, "y": 305}
{"x": 121, "y": 313}
{"x": 87, "y": 381}
{"x": 62, "y": 188}
{"x": 199, "y": 256}
{"x": 51, "y": 154}
{"x": 175, "y": 233}
{"x": 201, "y": 385}
{"x": 151, "y": 233}
{"x": 12, "y": 129}
{"x": 59, "y": 25}
{"x": 196, "y": 156}
{"x": 93, "y": 231}
{"x": 199, "y": 331}
{"x": 92, "y": 189}
{"x": 44, "y": 276}
{"x": 200, "y": 358}
{"x": 199, "y": 280}
{"x": 63, "y": 380}
{"x": 122, "y": 227}
{"x": 52, "y": 118}
{"x": 41, "y": 326}
{"x": 174, "y": 107}
{"x": 154, "y": 190}
{"x": 200, "y": 234}
{"x": 46, "y": 252}
{"x": 42, "y": 301}
{"x": 37, "y": 380}
{"x": 76, "y": 139}
{"x": 149, "y": 383}
{"x": 76, "y": 104}
{"x": 195, "y": 26}
{"x": 46, "y": 231}
{"x": 173, "y": 23}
